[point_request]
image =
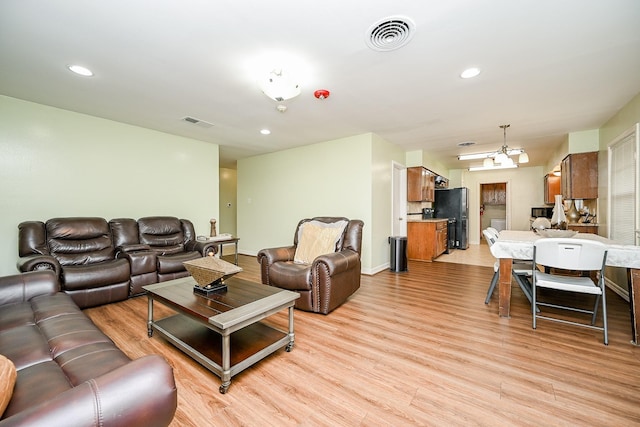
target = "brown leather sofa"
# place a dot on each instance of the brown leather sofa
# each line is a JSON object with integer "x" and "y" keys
{"x": 68, "y": 372}
{"x": 325, "y": 283}
{"x": 81, "y": 252}
{"x": 156, "y": 247}
{"x": 99, "y": 262}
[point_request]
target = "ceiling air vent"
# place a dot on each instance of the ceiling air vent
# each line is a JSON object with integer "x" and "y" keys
{"x": 390, "y": 33}
{"x": 197, "y": 122}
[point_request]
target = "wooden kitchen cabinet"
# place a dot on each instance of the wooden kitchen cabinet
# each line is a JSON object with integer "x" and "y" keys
{"x": 579, "y": 179}
{"x": 420, "y": 184}
{"x": 551, "y": 188}
{"x": 426, "y": 240}
{"x": 494, "y": 194}
{"x": 584, "y": 228}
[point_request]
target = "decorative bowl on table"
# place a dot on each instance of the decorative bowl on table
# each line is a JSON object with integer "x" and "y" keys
{"x": 209, "y": 273}
{"x": 552, "y": 232}
{"x": 540, "y": 223}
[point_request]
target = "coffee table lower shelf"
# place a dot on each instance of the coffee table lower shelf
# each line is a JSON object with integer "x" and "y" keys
{"x": 248, "y": 345}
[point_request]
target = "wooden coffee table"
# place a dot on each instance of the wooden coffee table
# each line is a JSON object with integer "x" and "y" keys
{"x": 222, "y": 331}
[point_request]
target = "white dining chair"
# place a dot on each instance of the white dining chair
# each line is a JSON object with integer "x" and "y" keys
{"x": 551, "y": 254}
{"x": 520, "y": 271}
{"x": 494, "y": 232}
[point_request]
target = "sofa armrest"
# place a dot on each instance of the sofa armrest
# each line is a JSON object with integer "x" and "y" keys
{"x": 132, "y": 248}
{"x": 337, "y": 262}
{"x": 22, "y": 287}
{"x": 205, "y": 248}
{"x": 140, "y": 393}
{"x": 38, "y": 262}
{"x": 266, "y": 258}
{"x": 272, "y": 255}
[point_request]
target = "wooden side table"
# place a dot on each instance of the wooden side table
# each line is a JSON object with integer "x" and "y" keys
{"x": 222, "y": 242}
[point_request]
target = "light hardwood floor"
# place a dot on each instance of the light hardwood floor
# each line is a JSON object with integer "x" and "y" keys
{"x": 414, "y": 348}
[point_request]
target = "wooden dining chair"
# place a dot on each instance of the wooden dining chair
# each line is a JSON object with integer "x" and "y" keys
{"x": 557, "y": 256}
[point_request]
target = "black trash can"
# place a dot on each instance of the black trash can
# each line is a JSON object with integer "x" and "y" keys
{"x": 398, "y": 256}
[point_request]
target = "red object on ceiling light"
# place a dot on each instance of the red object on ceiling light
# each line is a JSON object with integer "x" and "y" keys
{"x": 321, "y": 94}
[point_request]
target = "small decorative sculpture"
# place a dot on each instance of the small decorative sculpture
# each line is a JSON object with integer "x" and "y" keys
{"x": 213, "y": 227}
{"x": 559, "y": 219}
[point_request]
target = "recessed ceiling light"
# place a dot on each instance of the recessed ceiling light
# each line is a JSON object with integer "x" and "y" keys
{"x": 466, "y": 144}
{"x": 265, "y": 131}
{"x": 470, "y": 72}
{"x": 80, "y": 70}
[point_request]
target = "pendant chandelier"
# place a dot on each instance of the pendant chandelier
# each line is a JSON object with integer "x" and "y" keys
{"x": 502, "y": 156}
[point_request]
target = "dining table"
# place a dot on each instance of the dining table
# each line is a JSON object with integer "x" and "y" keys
{"x": 515, "y": 244}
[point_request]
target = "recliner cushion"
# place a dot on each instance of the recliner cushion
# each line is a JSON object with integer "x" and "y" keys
{"x": 291, "y": 276}
{"x": 95, "y": 275}
{"x": 80, "y": 241}
{"x": 161, "y": 231}
{"x": 173, "y": 263}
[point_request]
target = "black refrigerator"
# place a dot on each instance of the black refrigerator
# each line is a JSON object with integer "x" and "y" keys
{"x": 453, "y": 203}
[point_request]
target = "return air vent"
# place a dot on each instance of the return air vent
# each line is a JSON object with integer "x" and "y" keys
{"x": 390, "y": 33}
{"x": 197, "y": 122}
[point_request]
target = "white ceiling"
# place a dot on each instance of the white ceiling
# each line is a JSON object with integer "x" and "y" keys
{"x": 549, "y": 67}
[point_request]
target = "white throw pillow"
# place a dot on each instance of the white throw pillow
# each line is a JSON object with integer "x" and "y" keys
{"x": 317, "y": 238}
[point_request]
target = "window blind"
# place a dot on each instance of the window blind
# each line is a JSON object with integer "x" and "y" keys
{"x": 623, "y": 189}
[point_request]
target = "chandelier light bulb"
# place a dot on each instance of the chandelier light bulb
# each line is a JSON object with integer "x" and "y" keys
{"x": 501, "y": 158}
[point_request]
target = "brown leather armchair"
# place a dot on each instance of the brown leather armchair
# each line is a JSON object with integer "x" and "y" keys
{"x": 325, "y": 283}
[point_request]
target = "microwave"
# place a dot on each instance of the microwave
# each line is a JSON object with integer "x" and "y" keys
{"x": 545, "y": 212}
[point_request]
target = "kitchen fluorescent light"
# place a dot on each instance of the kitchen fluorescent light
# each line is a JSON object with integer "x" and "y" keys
{"x": 489, "y": 154}
{"x": 484, "y": 168}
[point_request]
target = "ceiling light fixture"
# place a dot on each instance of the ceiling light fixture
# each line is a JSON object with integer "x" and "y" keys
{"x": 501, "y": 157}
{"x": 493, "y": 167}
{"x": 470, "y": 73}
{"x": 265, "y": 131}
{"x": 280, "y": 86}
{"x": 80, "y": 70}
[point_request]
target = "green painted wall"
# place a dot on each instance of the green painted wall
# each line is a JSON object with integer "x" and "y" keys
{"x": 383, "y": 156}
{"x": 347, "y": 177}
{"x": 57, "y": 163}
{"x": 584, "y": 141}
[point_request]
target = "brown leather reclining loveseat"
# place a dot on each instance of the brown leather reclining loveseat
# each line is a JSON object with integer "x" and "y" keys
{"x": 99, "y": 262}
{"x": 68, "y": 372}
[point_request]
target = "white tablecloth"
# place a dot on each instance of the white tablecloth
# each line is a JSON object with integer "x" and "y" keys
{"x": 519, "y": 245}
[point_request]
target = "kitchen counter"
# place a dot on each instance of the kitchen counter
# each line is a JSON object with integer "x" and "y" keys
{"x": 426, "y": 238}
{"x": 419, "y": 219}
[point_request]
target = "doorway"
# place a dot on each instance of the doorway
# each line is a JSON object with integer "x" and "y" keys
{"x": 493, "y": 206}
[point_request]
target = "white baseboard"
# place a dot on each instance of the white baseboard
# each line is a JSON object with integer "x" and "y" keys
{"x": 624, "y": 293}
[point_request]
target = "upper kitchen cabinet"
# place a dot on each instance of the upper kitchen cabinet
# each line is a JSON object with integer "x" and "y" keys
{"x": 420, "y": 184}
{"x": 579, "y": 178}
{"x": 551, "y": 188}
{"x": 494, "y": 194}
